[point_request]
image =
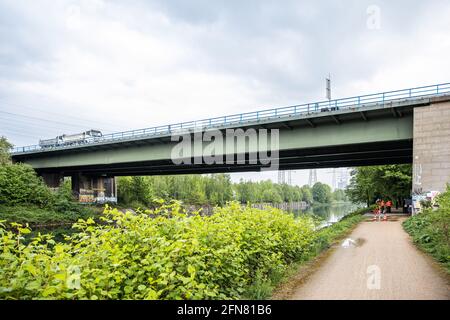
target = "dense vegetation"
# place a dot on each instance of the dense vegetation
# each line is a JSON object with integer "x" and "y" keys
{"x": 161, "y": 254}
{"x": 430, "y": 229}
{"x": 164, "y": 253}
{"x": 386, "y": 182}
{"x": 217, "y": 189}
{"x": 192, "y": 189}
{"x": 322, "y": 193}
{"x": 24, "y": 198}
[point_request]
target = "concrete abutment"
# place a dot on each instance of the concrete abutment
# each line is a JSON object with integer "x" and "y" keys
{"x": 431, "y": 149}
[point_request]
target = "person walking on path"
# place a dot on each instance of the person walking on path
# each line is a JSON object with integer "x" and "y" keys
{"x": 377, "y": 210}
{"x": 384, "y": 212}
{"x": 388, "y": 206}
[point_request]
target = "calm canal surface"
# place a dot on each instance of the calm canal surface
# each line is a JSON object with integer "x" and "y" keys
{"x": 329, "y": 214}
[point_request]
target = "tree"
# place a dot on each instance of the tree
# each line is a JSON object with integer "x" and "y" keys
{"x": 387, "y": 182}
{"x": 339, "y": 195}
{"x": 215, "y": 189}
{"x": 321, "y": 193}
{"x": 287, "y": 192}
{"x": 271, "y": 196}
{"x": 135, "y": 190}
{"x": 246, "y": 191}
{"x": 166, "y": 187}
{"x": 5, "y": 147}
{"x": 298, "y": 195}
{"x": 395, "y": 181}
{"x": 218, "y": 188}
{"x": 19, "y": 184}
{"x": 361, "y": 187}
{"x": 307, "y": 194}
{"x": 193, "y": 190}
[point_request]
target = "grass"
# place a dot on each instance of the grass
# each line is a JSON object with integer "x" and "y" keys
{"x": 430, "y": 229}
{"x": 430, "y": 233}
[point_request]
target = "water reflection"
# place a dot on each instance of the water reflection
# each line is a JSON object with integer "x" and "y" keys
{"x": 328, "y": 214}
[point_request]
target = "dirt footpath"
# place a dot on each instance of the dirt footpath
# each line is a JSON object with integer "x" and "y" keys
{"x": 377, "y": 261}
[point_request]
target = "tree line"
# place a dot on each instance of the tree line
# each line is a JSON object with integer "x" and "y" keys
{"x": 218, "y": 189}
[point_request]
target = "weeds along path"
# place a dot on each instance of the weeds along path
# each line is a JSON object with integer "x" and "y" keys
{"x": 376, "y": 261}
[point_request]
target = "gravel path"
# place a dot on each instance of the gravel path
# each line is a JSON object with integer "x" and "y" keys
{"x": 378, "y": 261}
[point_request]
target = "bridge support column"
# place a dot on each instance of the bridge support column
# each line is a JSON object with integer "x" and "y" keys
{"x": 52, "y": 180}
{"x": 94, "y": 189}
{"x": 76, "y": 185}
{"x": 431, "y": 149}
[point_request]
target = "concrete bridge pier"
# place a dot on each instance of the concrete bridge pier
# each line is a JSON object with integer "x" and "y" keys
{"x": 77, "y": 182}
{"x": 431, "y": 149}
{"x": 53, "y": 180}
{"x": 94, "y": 189}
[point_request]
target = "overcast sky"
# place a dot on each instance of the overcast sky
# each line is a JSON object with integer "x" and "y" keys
{"x": 67, "y": 66}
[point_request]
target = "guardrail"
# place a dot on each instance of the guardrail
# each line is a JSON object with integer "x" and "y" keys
{"x": 255, "y": 116}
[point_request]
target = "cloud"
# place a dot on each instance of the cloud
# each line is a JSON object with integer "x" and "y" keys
{"x": 118, "y": 65}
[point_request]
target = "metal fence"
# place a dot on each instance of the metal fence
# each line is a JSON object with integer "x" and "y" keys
{"x": 268, "y": 114}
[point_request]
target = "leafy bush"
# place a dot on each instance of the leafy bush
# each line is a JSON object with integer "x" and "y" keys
{"x": 25, "y": 198}
{"x": 430, "y": 230}
{"x": 160, "y": 254}
{"x": 35, "y": 215}
{"x": 20, "y": 184}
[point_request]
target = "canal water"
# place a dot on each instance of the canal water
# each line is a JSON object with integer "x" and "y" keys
{"x": 328, "y": 214}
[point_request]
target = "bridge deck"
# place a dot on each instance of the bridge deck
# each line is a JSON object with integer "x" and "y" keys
{"x": 305, "y": 113}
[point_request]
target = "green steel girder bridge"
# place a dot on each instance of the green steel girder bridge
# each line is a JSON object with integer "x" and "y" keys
{"x": 363, "y": 130}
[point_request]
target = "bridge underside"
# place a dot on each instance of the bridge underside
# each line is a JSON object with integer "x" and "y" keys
{"x": 352, "y": 155}
{"x": 341, "y": 139}
{"x": 381, "y": 135}
{"x": 378, "y": 134}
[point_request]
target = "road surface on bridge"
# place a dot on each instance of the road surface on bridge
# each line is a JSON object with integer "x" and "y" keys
{"x": 349, "y": 272}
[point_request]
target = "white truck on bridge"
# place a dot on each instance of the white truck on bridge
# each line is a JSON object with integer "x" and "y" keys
{"x": 71, "y": 139}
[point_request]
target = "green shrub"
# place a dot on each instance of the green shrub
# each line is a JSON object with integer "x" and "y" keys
{"x": 35, "y": 215}
{"x": 25, "y": 198}
{"x": 169, "y": 256}
{"x": 430, "y": 230}
{"x": 20, "y": 184}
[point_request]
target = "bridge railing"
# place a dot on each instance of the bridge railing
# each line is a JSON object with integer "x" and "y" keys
{"x": 355, "y": 102}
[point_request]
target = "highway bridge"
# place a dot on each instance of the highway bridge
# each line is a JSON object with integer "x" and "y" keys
{"x": 403, "y": 126}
